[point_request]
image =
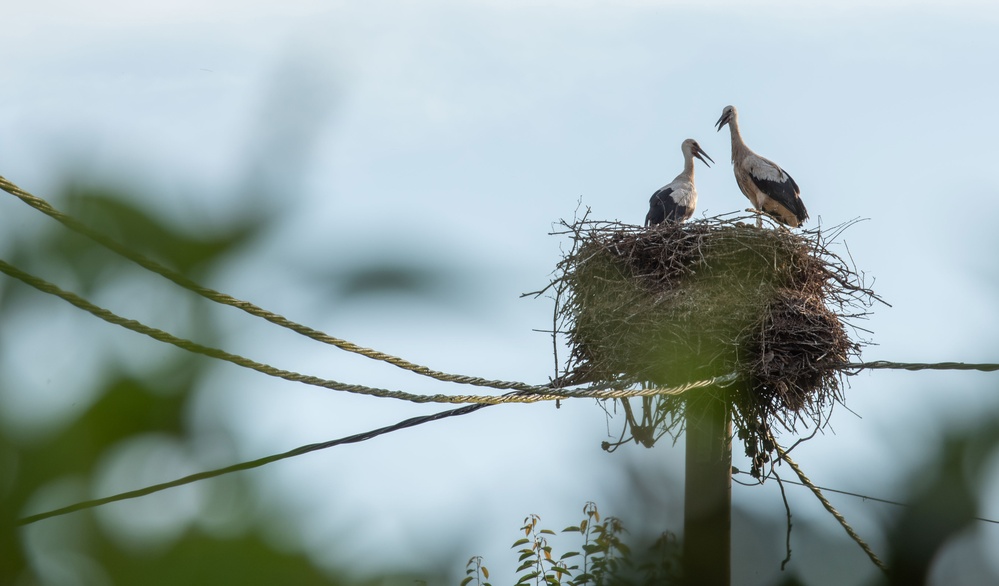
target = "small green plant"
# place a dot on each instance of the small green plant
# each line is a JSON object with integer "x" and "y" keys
{"x": 662, "y": 566}
{"x": 602, "y": 560}
{"x": 536, "y": 555}
{"x": 604, "y": 554}
{"x": 474, "y": 570}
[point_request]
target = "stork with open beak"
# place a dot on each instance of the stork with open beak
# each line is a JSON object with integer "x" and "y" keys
{"x": 769, "y": 188}
{"x": 675, "y": 201}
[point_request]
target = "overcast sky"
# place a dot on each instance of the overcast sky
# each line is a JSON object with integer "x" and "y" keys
{"x": 451, "y": 135}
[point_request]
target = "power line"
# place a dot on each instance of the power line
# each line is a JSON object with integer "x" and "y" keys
{"x": 805, "y": 481}
{"x": 854, "y": 494}
{"x": 352, "y": 439}
{"x": 79, "y": 227}
{"x": 196, "y": 348}
{"x": 884, "y": 364}
{"x": 541, "y": 392}
{"x": 530, "y": 394}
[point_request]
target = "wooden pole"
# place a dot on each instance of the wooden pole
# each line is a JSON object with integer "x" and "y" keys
{"x": 707, "y": 517}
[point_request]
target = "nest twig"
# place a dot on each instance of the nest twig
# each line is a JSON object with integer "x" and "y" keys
{"x": 683, "y": 302}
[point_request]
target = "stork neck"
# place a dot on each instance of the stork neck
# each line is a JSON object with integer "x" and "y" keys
{"x": 738, "y": 147}
{"x": 688, "y": 167}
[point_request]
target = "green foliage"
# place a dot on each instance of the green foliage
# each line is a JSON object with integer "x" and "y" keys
{"x": 536, "y": 555}
{"x": 229, "y": 539}
{"x": 603, "y": 552}
{"x": 603, "y": 558}
{"x": 114, "y": 214}
{"x": 474, "y": 570}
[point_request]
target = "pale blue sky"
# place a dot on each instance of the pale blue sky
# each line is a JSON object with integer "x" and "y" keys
{"x": 456, "y": 133}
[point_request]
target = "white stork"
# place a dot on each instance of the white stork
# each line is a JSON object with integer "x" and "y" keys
{"x": 769, "y": 188}
{"x": 675, "y": 201}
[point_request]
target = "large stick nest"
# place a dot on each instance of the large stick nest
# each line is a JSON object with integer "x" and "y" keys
{"x": 685, "y": 302}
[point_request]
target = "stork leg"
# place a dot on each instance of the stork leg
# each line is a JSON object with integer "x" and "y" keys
{"x": 758, "y": 214}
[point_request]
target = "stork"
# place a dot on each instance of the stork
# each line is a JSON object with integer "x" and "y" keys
{"x": 675, "y": 201}
{"x": 769, "y": 188}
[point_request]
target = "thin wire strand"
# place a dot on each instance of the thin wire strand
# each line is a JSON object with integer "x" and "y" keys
{"x": 79, "y": 227}
{"x": 856, "y": 495}
{"x": 533, "y": 393}
{"x": 412, "y": 422}
{"x": 75, "y": 225}
{"x": 529, "y": 394}
{"x": 832, "y": 510}
{"x": 884, "y": 364}
{"x": 196, "y": 348}
{"x": 353, "y": 439}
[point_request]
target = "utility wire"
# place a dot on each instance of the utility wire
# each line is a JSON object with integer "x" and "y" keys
{"x": 854, "y": 494}
{"x": 412, "y": 422}
{"x": 352, "y": 439}
{"x": 75, "y": 225}
{"x": 884, "y": 364}
{"x": 832, "y": 510}
{"x": 196, "y": 348}
{"x": 529, "y": 394}
{"x": 221, "y": 298}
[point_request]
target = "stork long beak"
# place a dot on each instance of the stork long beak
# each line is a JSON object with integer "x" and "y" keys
{"x": 722, "y": 120}
{"x": 698, "y": 151}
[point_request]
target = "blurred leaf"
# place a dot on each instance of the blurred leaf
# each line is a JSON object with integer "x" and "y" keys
{"x": 122, "y": 218}
{"x": 393, "y": 276}
{"x": 199, "y": 559}
{"x": 944, "y": 506}
{"x": 125, "y": 407}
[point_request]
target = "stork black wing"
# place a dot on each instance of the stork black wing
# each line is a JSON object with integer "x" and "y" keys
{"x": 663, "y": 208}
{"x": 784, "y": 192}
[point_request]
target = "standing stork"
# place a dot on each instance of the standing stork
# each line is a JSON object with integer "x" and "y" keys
{"x": 769, "y": 188}
{"x": 675, "y": 201}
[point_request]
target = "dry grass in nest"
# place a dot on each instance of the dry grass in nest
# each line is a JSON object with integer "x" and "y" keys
{"x": 680, "y": 303}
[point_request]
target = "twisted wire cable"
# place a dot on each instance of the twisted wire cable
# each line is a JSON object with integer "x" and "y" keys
{"x": 832, "y": 510}
{"x": 79, "y": 227}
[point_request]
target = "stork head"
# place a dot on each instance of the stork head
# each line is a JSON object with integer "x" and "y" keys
{"x": 728, "y": 115}
{"x": 692, "y": 149}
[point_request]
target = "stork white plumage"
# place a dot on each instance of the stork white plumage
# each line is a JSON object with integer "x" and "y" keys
{"x": 675, "y": 201}
{"x": 769, "y": 188}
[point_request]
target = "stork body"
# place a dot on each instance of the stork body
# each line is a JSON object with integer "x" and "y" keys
{"x": 675, "y": 201}
{"x": 769, "y": 188}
